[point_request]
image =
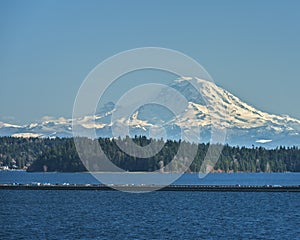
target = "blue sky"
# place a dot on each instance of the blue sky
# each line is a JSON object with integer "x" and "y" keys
{"x": 251, "y": 48}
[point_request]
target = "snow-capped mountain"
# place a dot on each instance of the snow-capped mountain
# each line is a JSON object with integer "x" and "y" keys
{"x": 207, "y": 107}
{"x": 60, "y": 127}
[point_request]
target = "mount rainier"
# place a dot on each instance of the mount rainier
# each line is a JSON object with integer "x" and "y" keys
{"x": 245, "y": 125}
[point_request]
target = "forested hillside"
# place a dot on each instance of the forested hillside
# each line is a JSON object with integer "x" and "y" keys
{"x": 36, "y": 154}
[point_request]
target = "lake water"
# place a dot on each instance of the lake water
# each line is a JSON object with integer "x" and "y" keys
{"x": 155, "y": 215}
{"x": 284, "y": 179}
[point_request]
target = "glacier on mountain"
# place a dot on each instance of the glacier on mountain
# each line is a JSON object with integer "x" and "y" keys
{"x": 208, "y": 107}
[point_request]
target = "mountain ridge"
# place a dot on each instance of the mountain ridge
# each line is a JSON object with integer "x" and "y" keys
{"x": 245, "y": 124}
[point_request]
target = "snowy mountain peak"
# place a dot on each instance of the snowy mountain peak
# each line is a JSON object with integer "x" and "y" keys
{"x": 206, "y": 102}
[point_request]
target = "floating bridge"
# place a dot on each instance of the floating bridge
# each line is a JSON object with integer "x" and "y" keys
{"x": 143, "y": 188}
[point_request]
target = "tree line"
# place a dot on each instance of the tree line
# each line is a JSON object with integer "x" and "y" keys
{"x": 59, "y": 154}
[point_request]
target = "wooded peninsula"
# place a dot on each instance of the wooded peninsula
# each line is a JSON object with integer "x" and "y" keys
{"x": 59, "y": 154}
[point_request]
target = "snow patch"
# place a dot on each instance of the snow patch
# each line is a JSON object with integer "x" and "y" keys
{"x": 9, "y": 125}
{"x": 263, "y": 141}
{"x": 27, "y": 135}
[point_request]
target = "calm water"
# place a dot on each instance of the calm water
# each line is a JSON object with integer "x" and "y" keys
{"x": 155, "y": 215}
{"x": 283, "y": 179}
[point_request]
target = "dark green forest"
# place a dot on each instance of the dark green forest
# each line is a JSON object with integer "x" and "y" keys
{"x": 37, "y": 154}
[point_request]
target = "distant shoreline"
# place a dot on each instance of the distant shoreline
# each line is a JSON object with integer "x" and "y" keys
{"x": 146, "y": 188}
{"x": 213, "y": 172}
{"x": 51, "y": 155}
